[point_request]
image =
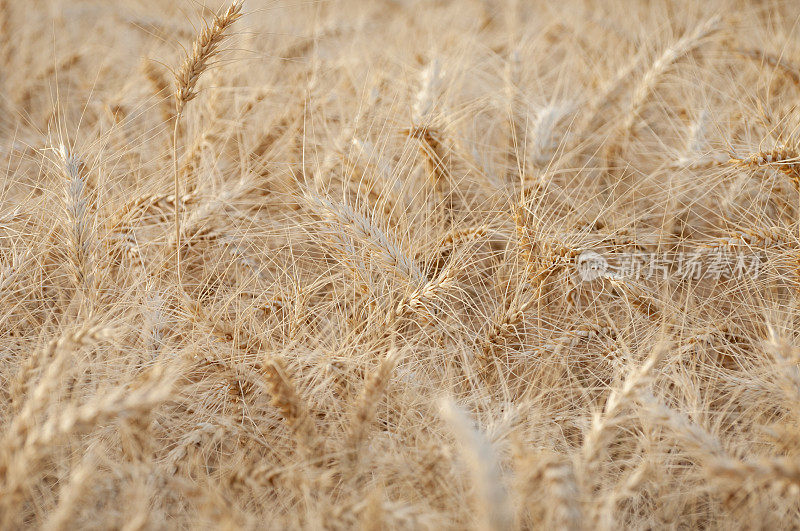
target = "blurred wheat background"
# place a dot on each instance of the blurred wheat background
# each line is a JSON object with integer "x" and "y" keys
{"x": 313, "y": 264}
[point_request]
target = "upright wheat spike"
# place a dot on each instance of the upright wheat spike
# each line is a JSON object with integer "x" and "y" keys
{"x": 513, "y": 104}
{"x": 558, "y": 477}
{"x": 541, "y": 141}
{"x": 204, "y": 48}
{"x": 498, "y": 331}
{"x": 430, "y": 85}
{"x": 291, "y": 405}
{"x": 436, "y": 154}
{"x": 432, "y": 147}
{"x": 596, "y": 439}
{"x": 695, "y": 155}
{"x": 71, "y": 492}
{"x": 77, "y": 205}
{"x": 682, "y": 47}
{"x": 374, "y": 389}
{"x": 492, "y": 503}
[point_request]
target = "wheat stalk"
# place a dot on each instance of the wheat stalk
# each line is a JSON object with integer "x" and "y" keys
{"x": 204, "y": 48}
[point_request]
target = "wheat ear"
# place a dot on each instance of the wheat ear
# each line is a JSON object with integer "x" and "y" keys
{"x": 71, "y": 492}
{"x": 558, "y": 477}
{"x": 500, "y": 329}
{"x": 596, "y": 439}
{"x": 420, "y": 298}
{"x": 204, "y": 48}
{"x": 492, "y": 503}
{"x": 770, "y": 471}
{"x": 682, "y": 47}
{"x": 692, "y": 436}
{"x": 76, "y": 204}
{"x": 758, "y": 236}
{"x": 784, "y": 159}
{"x": 374, "y": 389}
{"x": 291, "y": 405}
{"x": 343, "y": 216}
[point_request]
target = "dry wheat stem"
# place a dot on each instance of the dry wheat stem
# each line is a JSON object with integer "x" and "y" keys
{"x": 204, "y": 48}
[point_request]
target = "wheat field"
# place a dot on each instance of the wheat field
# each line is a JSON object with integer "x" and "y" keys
{"x": 399, "y": 264}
